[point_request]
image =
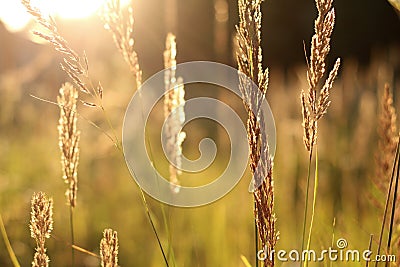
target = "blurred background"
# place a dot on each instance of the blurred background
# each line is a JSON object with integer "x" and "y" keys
{"x": 366, "y": 37}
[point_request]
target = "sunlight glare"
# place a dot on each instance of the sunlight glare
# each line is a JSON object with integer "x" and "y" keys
{"x": 15, "y": 17}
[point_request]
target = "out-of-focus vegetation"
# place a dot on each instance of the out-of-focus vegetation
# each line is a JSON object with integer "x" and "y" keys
{"x": 213, "y": 235}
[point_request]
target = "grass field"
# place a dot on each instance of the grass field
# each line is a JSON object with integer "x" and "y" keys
{"x": 349, "y": 204}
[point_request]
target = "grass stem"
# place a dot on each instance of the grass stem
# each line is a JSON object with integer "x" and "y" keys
{"x": 313, "y": 205}
{"x": 369, "y": 248}
{"x": 71, "y": 224}
{"x": 395, "y": 164}
{"x": 333, "y": 237}
{"x": 306, "y": 202}
{"x": 153, "y": 226}
{"x": 10, "y": 251}
{"x": 170, "y": 250}
{"x": 392, "y": 218}
{"x": 256, "y": 236}
{"x": 166, "y": 224}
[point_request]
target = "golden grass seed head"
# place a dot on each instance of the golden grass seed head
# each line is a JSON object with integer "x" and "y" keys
{"x": 109, "y": 248}
{"x": 40, "y": 259}
{"x": 41, "y": 223}
{"x": 69, "y": 138}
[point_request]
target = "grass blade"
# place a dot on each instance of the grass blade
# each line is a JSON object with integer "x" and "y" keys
{"x": 313, "y": 205}
{"x": 256, "y": 237}
{"x": 306, "y": 204}
{"x": 71, "y": 224}
{"x": 393, "y": 210}
{"x": 369, "y": 248}
{"x": 333, "y": 237}
{"x": 395, "y": 164}
{"x": 10, "y": 251}
{"x": 245, "y": 261}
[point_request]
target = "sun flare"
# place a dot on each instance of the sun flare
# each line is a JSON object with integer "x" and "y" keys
{"x": 15, "y": 18}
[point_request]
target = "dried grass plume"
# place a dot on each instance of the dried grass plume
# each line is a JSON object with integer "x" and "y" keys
{"x": 109, "y": 248}
{"x": 174, "y": 108}
{"x": 41, "y": 225}
{"x": 387, "y": 132}
{"x": 76, "y": 66}
{"x": 249, "y": 59}
{"x": 121, "y": 28}
{"x": 316, "y": 101}
{"x": 69, "y": 137}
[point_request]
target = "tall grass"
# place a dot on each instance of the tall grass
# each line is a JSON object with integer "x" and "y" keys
{"x": 173, "y": 106}
{"x": 121, "y": 28}
{"x": 387, "y": 174}
{"x": 77, "y": 69}
{"x": 69, "y": 137}
{"x": 387, "y": 131}
{"x": 249, "y": 59}
{"x": 316, "y": 102}
{"x": 350, "y": 126}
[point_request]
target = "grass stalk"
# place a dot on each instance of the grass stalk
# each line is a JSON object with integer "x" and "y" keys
{"x": 143, "y": 197}
{"x": 245, "y": 261}
{"x": 170, "y": 250}
{"x": 306, "y": 201}
{"x": 255, "y": 236}
{"x": 249, "y": 58}
{"x": 392, "y": 218}
{"x": 121, "y": 28}
{"x": 85, "y": 251}
{"x": 77, "y": 68}
{"x": 7, "y": 243}
{"x": 166, "y": 256}
{"x": 316, "y": 101}
{"x": 395, "y": 165}
{"x": 369, "y": 248}
{"x": 144, "y": 201}
{"x": 117, "y": 142}
{"x": 313, "y": 204}
{"x": 71, "y": 225}
{"x": 333, "y": 238}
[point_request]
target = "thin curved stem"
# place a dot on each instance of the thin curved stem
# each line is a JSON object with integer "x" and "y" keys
{"x": 71, "y": 224}
{"x": 256, "y": 236}
{"x": 9, "y": 248}
{"x": 313, "y": 205}
{"x": 306, "y": 201}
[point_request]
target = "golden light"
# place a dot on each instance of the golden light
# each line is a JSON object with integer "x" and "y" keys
{"x": 15, "y": 17}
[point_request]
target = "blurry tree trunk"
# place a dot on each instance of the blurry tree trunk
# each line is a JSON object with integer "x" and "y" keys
{"x": 221, "y": 31}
